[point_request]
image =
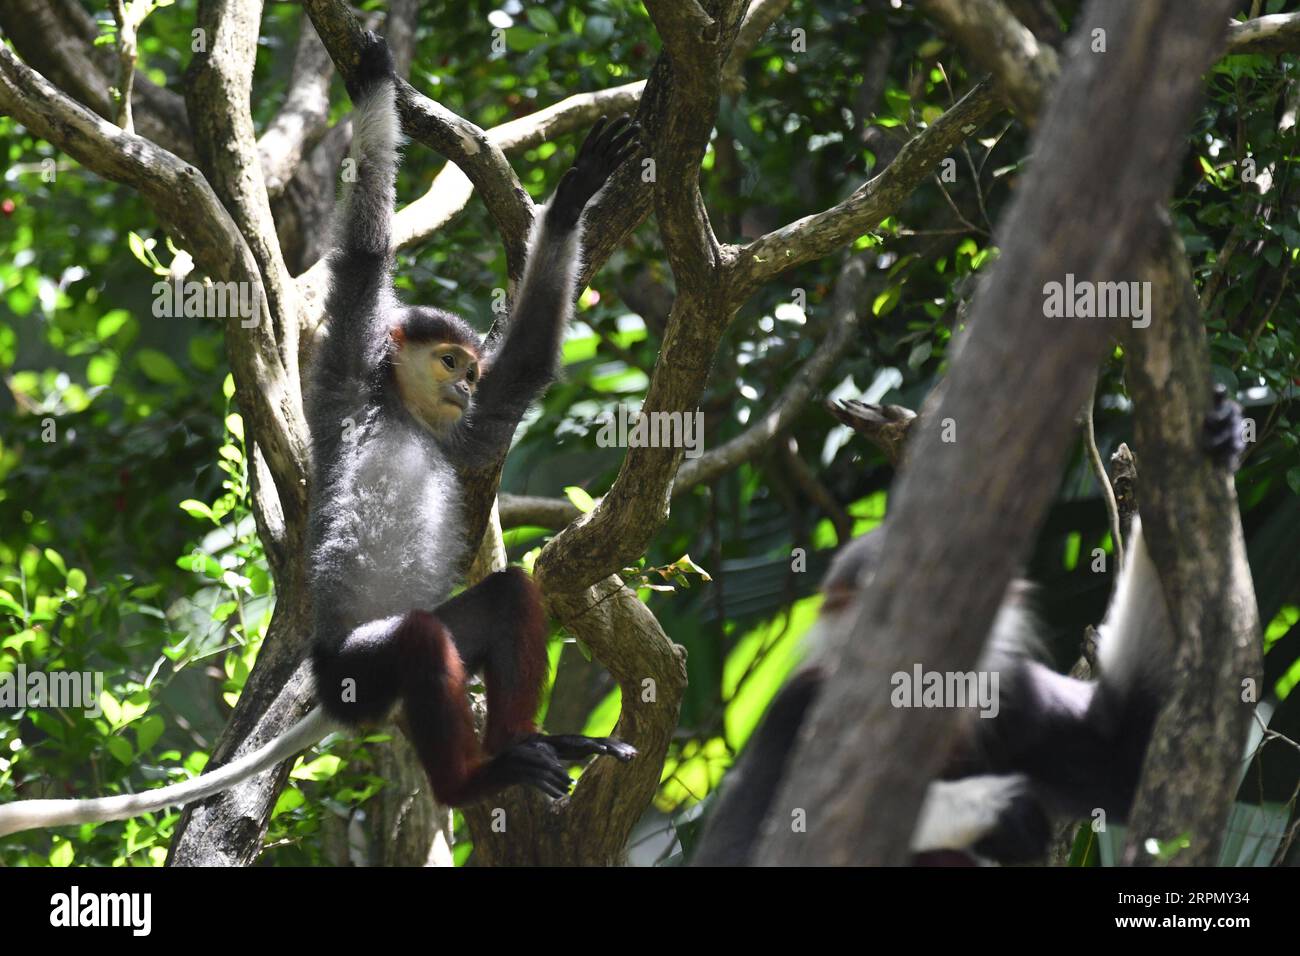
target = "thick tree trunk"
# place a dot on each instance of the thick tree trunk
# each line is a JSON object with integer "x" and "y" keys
{"x": 1105, "y": 155}
{"x": 1189, "y": 516}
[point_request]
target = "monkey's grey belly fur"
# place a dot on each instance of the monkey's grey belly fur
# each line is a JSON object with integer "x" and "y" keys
{"x": 392, "y": 541}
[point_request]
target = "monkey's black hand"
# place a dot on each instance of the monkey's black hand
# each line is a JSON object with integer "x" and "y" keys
{"x": 1221, "y": 435}
{"x": 606, "y": 147}
{"x": 530, "y": 761}
{"x": 571, "y": 748}
{"x": 375, "y": 66}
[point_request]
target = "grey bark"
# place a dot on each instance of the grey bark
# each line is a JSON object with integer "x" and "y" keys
{"x": 1104, "y": 160}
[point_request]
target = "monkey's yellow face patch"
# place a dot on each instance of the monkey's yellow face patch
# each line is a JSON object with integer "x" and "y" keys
{"x": 436, "y": 381}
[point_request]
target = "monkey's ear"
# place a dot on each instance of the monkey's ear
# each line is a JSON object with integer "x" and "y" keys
{"x": 398, "y": 335}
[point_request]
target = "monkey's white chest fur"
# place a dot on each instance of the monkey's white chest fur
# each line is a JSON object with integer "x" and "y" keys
{"x": 395, "y": 541}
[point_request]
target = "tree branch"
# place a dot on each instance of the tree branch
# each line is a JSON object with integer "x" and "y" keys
{"x": 758, "y": 18}
{"x": 451, "y": 189}
{"x": 519, "y": 510}
{"x": 617, "y": 530}
{"x": 57, "y": 38}
{"x": 304, "y": 115}
{"x": 228, "y": 827}
{"x": 1188, "y": 520}
{"x": 1279, "y": 33}
{"x": 437, "y": 127}
{"x": 696, "y": 45}
{"x": 126, "y": 54}
{"x": 815, "y": 236}
{"x": 847, "y": 311}
{"x": 1001, "y": 45}
{"x": 1191, "y": 522}
{"x": 651, "y": 672}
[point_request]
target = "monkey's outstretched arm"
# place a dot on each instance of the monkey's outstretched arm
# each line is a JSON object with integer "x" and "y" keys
{"x": 528, "y": 357}
{"x": 31, "y": 814}
{"x": 361, "y": 257}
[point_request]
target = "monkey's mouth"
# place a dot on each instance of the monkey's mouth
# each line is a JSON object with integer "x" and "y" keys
{"x": 460, "y": 403}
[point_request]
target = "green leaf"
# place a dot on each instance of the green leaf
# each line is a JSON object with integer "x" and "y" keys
{"x": 885, "y": 302}
{"x": 136, "y": 244}
{"x": 322, "y": 768}
{"x": 111, "y": 708}
{"x": 159, "y": 368}
{"x": 101, "y": 368}
{"x": 542, "y": 20}
{"x": 196, "y": 509}
{"x": 929, "y": 49}
{"x": 110, "y": 323}
{"x": 580, "y": 349}
{"x": 56, "y": 559}
{"x": 259, "y": 581}
{"x": 77, "y": 581}
{"x": 47, "y": 723}
{"x": 205, "y": 353}
{"x": 135, "y": 706}
{"x": 148, "y": 731}
{"x": 684, "y": 563}
{"x": 222, "y": 611}
{"x": 121, "y": 750}
{"x": 62, "y": 854}
{"x": 581, "y": 500}
{"x": 8, "y": 603}
{"x": 290, "y": 798}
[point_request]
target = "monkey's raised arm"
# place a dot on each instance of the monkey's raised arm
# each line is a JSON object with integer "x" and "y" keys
{"x": 528, "y": 357}
{"x": 362, "y": 255}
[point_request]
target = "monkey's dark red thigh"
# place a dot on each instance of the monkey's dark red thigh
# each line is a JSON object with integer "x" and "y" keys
{"x": 413, "y": 658}
{"x": 441, "y": 726}
{"x": 499, "y": 627}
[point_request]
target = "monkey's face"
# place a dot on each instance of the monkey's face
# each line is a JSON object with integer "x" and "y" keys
{"x": 437, "y": 381}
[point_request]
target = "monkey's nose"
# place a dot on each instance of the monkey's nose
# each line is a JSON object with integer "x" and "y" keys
{"x": 463, "y": 387}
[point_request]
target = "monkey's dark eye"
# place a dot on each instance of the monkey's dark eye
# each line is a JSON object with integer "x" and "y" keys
{"x": 448, "y": 361}
{"x": 471, "y": 375}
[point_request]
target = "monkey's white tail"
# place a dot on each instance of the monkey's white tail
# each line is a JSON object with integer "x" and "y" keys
{"x": 29, "y": 814}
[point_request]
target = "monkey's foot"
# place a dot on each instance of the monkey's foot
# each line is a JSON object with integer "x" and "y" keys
{"x": 532, "y": 762}
{"x": 571, "y": 748}
{"x": 1221, "y": 431}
